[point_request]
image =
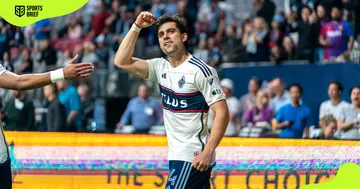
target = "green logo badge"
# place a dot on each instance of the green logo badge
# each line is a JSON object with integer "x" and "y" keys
{"x": 26, "y": 12}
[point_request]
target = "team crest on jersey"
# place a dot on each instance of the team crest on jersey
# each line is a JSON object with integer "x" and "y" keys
{"x": 181, "y": 82}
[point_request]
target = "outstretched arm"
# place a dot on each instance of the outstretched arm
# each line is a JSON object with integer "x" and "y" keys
{"x": 123, "y": 58}
{"x": 9, "y": 80}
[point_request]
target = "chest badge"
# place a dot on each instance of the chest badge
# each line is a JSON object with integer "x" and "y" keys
{"x": 181, "y": 82}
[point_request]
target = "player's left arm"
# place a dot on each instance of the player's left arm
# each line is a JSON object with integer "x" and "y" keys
{"x": 210, "y": 88}
{"x": 220, "y": 123}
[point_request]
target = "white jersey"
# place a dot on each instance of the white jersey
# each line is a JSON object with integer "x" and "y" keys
{"x": 4, "y": 154}
{"x": 187, "y": 92}
{"x": 328, "y": 108}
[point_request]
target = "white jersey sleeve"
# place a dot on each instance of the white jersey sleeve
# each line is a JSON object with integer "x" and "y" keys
{"x": 2, "y": 69}
{"x": 209, "y": 86}
{"x": 154, "y": 66}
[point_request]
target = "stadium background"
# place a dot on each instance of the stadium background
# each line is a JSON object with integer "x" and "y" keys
{"x": 216, "y": 30}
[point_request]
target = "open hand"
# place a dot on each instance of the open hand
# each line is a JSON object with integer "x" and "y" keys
{"x": 77, "y": 71}
{"x": 145, "y": 19}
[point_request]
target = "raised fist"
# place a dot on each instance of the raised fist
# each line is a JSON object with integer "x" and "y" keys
{"x": 145, "y": 19}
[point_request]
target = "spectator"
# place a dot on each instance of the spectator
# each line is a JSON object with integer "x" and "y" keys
{"x": 27, "y": 65}
{"x": 42, "y": 31}
{"x": 291, "y": 24}
{"x": 89, "y": 52}
{"x": 256, "y": 39}
{"x": 157, "y": 8}
{"x": 48, "y": 55}
{"x": 212, "y": 20}
{"x": 65, "y": 58}
{"x": 307, "y": 37}
{"x": 265, "y": 9}
{"x": 19, "y": 113}
{"x": 276, "y": 34}
{"x": 289, "y": 48}
{"x": 56, "y": 116}
{"x": 337, "y": 37}
{"x": 19, "y": 38}
{"x": 74, "y": 30}
{"x": 293, "y": 6}
{"x": 231, "y": 44}
{"x": 334, "y": 105}
{"x": 171, "y": 7}
{"x": 98, "y": 20}
{"x": 320, "y": 21}
{"x": 261, "y": 114}
{"x": 228, "y": 87}
{"x": 329, "y": 4}
{"x": 349, "y": 117}
{"x": 277, "y": 54}
{"x": 294, "y": 117}
{"x": 328, "y": 128}
{"x": 4, "y": 41}
{"x": 202, "y": 52}
{"x": 102, "y": 53}
{"x": 353, "y": 9}
{"x": 248, "y": 101}
{"x": 113, "y": 17}
{"x": 7, "y": 62}
{"x": 282, "y": 96}
{"x": 69, "y": 97}
{"x": 143, "y": 112}
{"x": 188, "y": 10}
{"x": 214, "y": 53}
{"x": 87, "y": 104}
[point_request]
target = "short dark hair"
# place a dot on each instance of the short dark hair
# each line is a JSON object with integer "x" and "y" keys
{"x": 307, "y": 7}
{"x": 338, "y": 85}
{"x": 352, "y": 88}
{"x": 257, "y": 80}
{"x": 180, "y": 22}
{"x": 296, "y": 85}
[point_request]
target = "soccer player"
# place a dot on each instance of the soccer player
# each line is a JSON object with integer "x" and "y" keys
{"x": 189, "y": 88}
{"x": 10, "y": 80}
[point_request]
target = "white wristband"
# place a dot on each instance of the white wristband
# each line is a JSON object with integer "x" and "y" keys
{"x": 135, "y": 28}
{"x": 57, "y": 75}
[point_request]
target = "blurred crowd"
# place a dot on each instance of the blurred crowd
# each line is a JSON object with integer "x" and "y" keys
{"x": 275, "y": 110}
{"x": 270, "y": 31}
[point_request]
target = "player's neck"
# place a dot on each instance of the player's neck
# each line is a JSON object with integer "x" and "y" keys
{"x": 335, "y": 101}
{"x": 179, "y": 58}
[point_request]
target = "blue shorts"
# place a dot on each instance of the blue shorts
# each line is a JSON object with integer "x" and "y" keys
{"x": 5, "y": 175}
{"x": 183, "y": 176}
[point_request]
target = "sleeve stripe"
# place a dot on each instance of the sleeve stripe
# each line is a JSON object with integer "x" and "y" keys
{"x": 203, "y": 64}
{"x": 201, "y": 68}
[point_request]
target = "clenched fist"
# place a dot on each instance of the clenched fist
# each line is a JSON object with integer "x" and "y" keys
{"x": 145, "y": 19}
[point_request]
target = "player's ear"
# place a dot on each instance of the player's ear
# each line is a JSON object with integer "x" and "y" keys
{"x": 184, "y": 37}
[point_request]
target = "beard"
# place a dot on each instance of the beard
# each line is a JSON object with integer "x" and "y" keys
{"x": 168, "y": 50}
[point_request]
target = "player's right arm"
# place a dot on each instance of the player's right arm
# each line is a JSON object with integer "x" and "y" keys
{"x": 9, "y": 80}
{"x": 123, "y": 58}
